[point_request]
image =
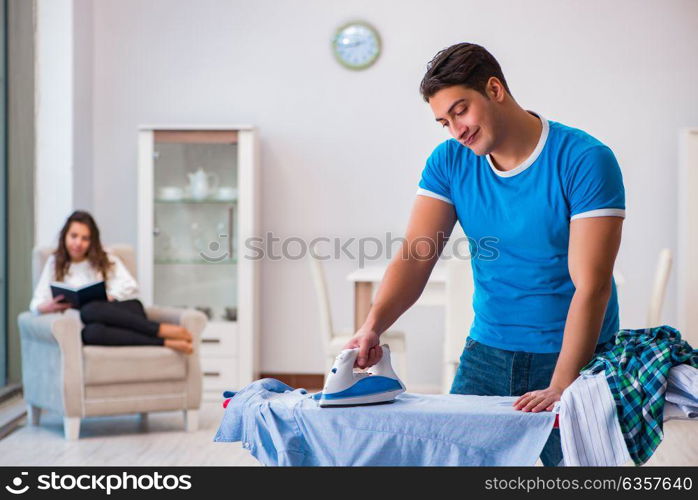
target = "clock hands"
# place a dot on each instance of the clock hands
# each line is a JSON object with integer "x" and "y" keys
{"x": 352, "y": 44}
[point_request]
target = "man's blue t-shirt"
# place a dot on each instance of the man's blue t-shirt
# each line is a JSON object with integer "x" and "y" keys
{"x": 518, "y": 223}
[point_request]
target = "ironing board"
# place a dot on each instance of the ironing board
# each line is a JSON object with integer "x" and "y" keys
{"x": 280, "y": 425}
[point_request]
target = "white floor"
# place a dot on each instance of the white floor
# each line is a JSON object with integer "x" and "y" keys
{"x": 125, "y": 440}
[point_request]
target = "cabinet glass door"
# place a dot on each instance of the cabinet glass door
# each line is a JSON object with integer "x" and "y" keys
{"x": 195, "y": 208}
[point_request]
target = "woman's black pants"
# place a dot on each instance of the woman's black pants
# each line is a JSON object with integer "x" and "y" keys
{"x": 118, "y": 323}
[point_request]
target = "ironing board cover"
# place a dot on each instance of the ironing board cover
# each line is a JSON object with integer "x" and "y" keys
{"x": 283, "y": 426}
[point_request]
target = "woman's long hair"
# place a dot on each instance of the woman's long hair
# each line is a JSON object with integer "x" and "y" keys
{"x": 95, "y": 253}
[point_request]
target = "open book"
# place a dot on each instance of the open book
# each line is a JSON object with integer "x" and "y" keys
{"x": 79, "y": 296}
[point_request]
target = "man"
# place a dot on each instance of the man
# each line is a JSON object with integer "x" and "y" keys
{"x": 551, "y": 197}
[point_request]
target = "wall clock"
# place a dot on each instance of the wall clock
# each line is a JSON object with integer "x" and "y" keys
{"x": 356, "y": 45}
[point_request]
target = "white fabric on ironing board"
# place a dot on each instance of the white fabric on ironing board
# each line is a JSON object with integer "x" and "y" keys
{"x": 685, "y": 378}
{"x": 673, "y": 411}
{"x": 682, "y": 391}
{"x": 589, "y": 430}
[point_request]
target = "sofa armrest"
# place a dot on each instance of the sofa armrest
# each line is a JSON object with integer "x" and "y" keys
{"x": 63, "y": 329}
{"x": 174, "y": 315}
{"x": 194, "y": 321}
{"x": 52, "y": 360}
{"x": 40, "y": 327}
{"x": 191, "y": 319}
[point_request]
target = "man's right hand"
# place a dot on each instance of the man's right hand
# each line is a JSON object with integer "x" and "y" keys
{"x": 54, "y": 305}
{"x": 368, "y": 343}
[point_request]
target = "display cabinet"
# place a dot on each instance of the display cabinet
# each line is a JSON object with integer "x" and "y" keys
{"x": 198, "y": 201}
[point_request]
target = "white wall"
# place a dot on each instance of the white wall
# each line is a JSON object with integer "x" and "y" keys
{"x": 54, "y": 118}
{"x": 342, "y": 151}
{"x": 64, "y": 172}
{"x": 83, "y": 171}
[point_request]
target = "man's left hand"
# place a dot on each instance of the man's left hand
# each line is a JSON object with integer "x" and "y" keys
{"x": 536, "y": 401}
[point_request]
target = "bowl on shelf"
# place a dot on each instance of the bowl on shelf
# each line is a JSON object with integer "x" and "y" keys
{"x": 172, "y": 193}
{"x": 225, "y": 193}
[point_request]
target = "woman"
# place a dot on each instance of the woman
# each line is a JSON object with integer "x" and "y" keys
{"x": 80, "y": 260}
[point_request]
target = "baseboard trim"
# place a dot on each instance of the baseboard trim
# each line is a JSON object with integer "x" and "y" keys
{"x": 311, "y": 381}
{"x": 10, "y": 391}
{"x": 12, "y": 412}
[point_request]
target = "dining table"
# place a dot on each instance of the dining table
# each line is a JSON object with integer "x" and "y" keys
{"x": 366, "y": 281}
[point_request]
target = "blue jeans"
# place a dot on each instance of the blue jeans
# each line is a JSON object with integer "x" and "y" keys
{"x": 488, "y": 371}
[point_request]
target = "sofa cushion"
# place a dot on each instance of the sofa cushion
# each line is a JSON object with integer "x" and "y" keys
{"x": 112, "y": 364}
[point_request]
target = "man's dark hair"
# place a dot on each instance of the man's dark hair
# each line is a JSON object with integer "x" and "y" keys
{"x": 464, "y": 64}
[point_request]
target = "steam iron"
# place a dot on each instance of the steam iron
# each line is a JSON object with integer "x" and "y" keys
{"x": 343, "y": 387}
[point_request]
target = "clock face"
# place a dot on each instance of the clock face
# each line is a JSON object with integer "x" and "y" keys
{"x": 356, "y": 45}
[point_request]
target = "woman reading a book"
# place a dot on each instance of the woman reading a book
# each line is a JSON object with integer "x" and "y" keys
{"x": 79, "y": 260}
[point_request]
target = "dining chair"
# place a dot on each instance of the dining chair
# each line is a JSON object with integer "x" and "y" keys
{"x": 333, "y": 341}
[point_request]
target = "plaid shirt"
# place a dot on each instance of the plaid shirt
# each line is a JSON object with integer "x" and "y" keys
{"x": 637, "y": 368}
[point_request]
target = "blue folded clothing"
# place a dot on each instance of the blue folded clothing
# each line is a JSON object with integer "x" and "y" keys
{"x": 280, "y": 425}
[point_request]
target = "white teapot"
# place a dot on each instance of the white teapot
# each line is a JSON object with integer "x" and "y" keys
{"x": 202, "y": 183}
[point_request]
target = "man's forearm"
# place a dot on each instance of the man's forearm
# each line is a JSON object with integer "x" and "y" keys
{"x": 582, "y": 329}
{"x": 403, "y": 283}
